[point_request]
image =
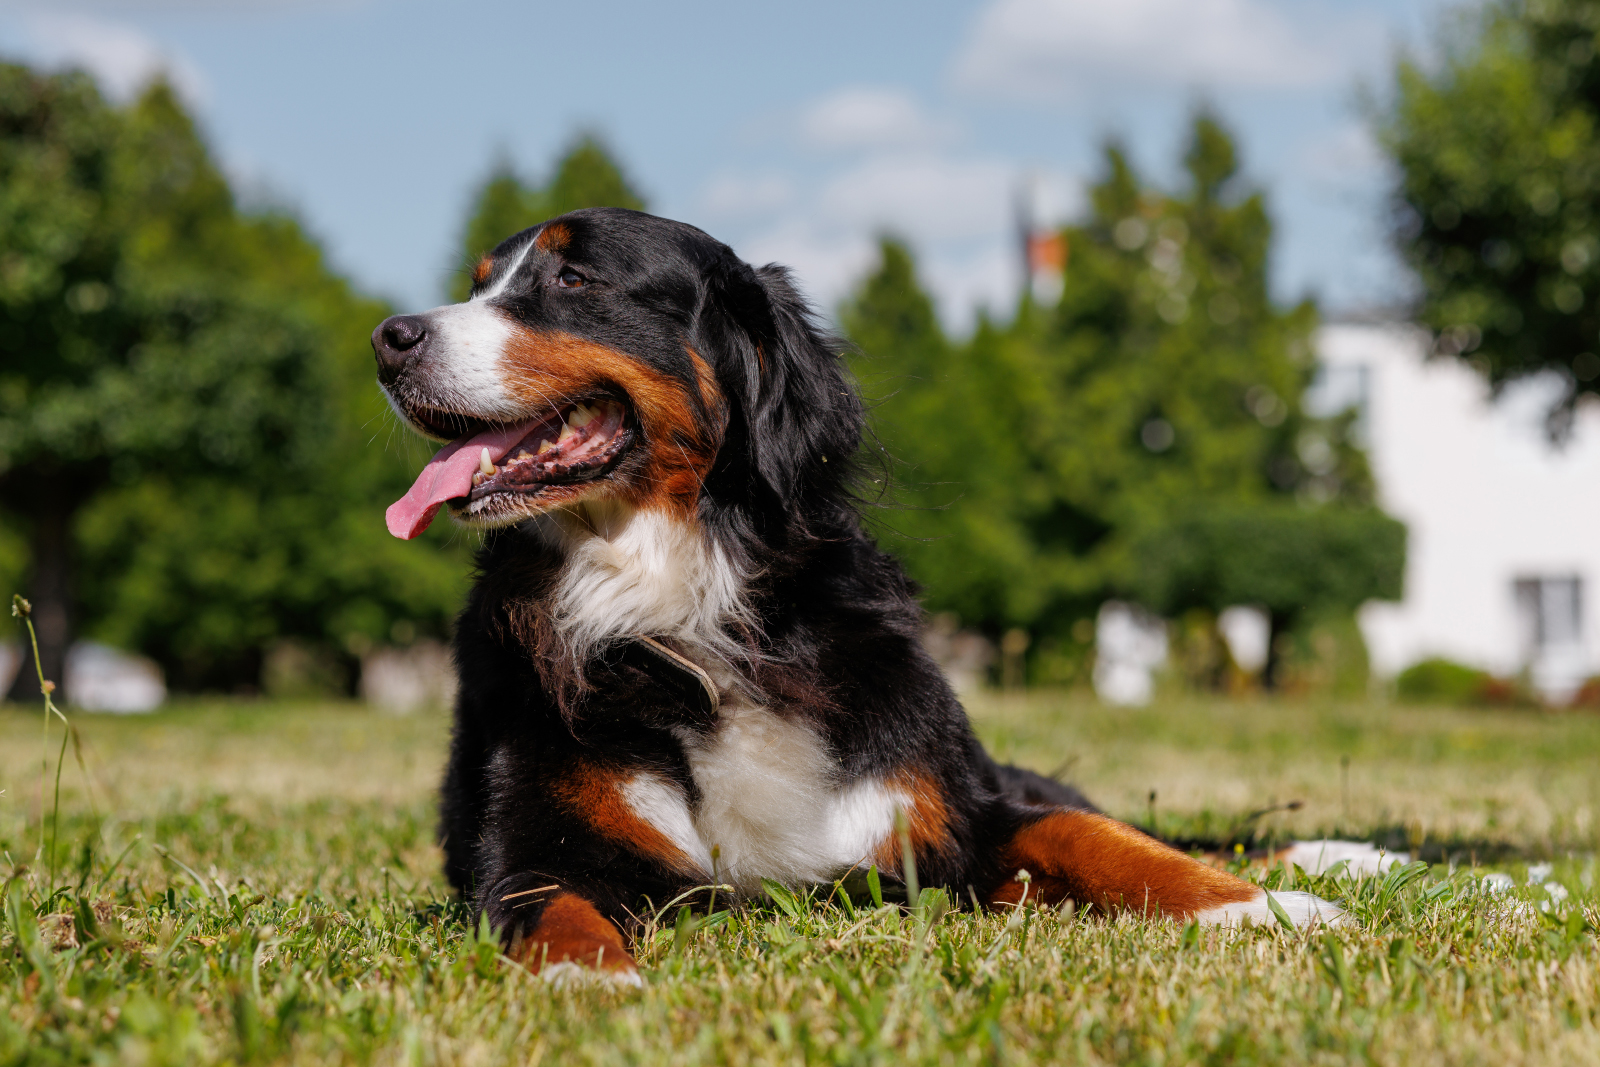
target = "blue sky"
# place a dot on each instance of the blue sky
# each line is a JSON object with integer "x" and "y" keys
{"x": 795, "y": 132}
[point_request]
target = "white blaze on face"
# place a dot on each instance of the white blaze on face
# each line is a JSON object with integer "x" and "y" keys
{"x": 466, "y": 347}
{"x": 506, "y": 275}
{"x": 465, "y": 361}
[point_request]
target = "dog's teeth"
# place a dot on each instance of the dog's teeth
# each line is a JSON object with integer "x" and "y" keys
{"x": 477, "y": 479}
{"x": 545, "y": 446}
{"x": 524, "y": 454}
{"x": 566, "y": 432}
{"x": 485, "y": 464}
{"x": 581, "y": 416}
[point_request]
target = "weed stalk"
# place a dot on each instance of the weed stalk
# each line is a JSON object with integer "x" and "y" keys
{"x": 22, "y": 609}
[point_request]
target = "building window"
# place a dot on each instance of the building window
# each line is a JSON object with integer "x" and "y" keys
{"x": 1550, "y": 611}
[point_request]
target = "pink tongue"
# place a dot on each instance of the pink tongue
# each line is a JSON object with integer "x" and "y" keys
{"x": 448, "y": 475}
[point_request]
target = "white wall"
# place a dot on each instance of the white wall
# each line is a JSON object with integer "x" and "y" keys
{"x": 1487, "y": 499}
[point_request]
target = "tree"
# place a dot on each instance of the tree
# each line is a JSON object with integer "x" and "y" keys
{"x": 1297, "y": 564}
{"x": 1044, "y": 458}
{"x": 1498, "y": 152}
{"x": 117, "y": 343}
{"x": 943, "y": 416}
{"x": 586, "y": 176}
{"x": 182, "y": 391}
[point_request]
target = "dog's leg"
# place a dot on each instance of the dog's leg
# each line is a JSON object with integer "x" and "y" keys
{"x": 570, "y": 941}
{"x": 569, "y": 848}
{"x": 1092, "y": 859}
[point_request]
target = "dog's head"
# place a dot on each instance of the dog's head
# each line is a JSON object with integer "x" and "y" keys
{"x": 610, "y": 353}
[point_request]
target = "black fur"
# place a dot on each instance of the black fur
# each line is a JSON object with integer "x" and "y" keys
{"x": 836, "y": 639}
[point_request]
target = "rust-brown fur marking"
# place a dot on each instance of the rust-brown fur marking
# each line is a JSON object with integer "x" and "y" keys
{"x": 594, "y": 793}
{"x": 1099, "y": 861}
{"x": 553, "y": 238}
{"x": 481, "y": 272}
{"x": 550, "y": 368}
{"x": 927, "y": 821}
{"x": 710, "y": 394}
{"x": 573, "y": 930}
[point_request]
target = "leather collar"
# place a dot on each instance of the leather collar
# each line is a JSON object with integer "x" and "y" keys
{"x": 674, "y": 672}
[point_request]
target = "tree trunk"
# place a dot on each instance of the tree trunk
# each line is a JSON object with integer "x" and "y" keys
{"x": 1272, "y": 673}
{"x": 50, "y": 591}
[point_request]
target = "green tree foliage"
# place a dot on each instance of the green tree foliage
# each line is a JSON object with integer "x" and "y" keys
{"x": 1046, "y": 460}
{"x": 186, "y": 403}
{"x": 586, "y": 176}
{"x": 1498, "y": 149}
{"x": 1285, "y": 559}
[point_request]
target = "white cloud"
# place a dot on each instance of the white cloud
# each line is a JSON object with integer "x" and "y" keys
{"x": 1054, "y": 198}
{"x": 956, "y": 212}
{"x": 1055, "y": 49}
{"x": 984, "y": 275}
{"x": 122, "y": 58}
{"x": 961, "y": 277}
{"x": 872, "y": 118}
{"x": 825, "y": 264}
{"x": 1345, "y": 153}
{"x": 732, "y": 197}
{"x": 927, "y": 197}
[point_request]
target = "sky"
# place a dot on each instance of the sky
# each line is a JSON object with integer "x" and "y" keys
{"x": 795, "y": 132}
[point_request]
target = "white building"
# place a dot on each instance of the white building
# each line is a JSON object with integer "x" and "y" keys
{"x": 1503, "y": 559}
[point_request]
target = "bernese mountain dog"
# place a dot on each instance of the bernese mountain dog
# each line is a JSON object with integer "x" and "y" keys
{"x": 684, "y": 662}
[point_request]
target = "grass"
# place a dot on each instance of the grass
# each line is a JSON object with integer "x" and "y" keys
{"x": 257, "y": 883}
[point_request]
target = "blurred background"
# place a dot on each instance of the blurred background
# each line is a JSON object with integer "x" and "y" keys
{"x": 1214, "y": 345}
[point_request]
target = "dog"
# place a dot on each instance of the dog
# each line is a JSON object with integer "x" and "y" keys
{"x": 684, "y": 662}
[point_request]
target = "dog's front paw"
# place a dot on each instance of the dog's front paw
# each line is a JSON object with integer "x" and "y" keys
{"x": 569, "y": 975}
{"x": 570, "y": 941}
{"x": 1303, "y": 909}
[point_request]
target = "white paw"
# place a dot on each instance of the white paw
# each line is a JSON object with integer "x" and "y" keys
{"x": 1316, "y": 857}
{"x": 1303, "y": 909}
{"x": 569, "y": 975}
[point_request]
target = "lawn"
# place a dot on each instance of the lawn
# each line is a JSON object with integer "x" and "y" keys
{"x": 255, "y": 882}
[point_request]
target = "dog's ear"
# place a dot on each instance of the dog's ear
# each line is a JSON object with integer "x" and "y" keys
{"x": 795, "y": 419}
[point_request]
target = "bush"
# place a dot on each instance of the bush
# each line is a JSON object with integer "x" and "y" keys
{"x": 1588, "y": 695}
{"x": 1442, "y": 681}
{"x": 1326, "y": 654}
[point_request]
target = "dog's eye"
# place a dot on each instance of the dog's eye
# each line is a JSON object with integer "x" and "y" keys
{"x": 570, "y": 279}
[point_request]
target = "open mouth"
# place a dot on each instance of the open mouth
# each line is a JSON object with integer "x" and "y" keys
{"x": 491, "y": 469}
{"x": 577, "y": 444}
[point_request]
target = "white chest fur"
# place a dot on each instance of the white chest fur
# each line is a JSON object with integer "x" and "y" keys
{"x": 641, "y": 572}
{"x": 770, "y": 804}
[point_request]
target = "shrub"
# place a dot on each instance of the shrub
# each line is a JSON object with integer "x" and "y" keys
{"x": 1588, "y": 695}
{"x": 1444, "y": 681}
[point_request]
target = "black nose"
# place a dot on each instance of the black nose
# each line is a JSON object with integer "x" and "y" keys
{"x": 396, "y": 340}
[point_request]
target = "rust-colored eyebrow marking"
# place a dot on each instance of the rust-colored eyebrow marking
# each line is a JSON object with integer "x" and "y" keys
{"x": 481, "y": 272}
{"x": 553, "y": 238}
